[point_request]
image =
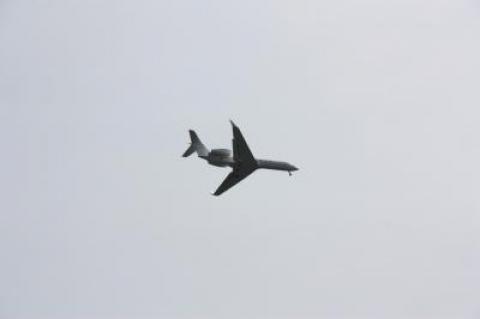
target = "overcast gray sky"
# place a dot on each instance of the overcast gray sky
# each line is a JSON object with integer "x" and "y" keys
{"x": 377, "y": 102}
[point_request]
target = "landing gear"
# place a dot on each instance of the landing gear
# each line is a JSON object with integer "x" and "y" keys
{"x": 289, "y": 173}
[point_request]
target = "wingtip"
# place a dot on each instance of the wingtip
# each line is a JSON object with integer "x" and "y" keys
{"x": 233, "y": 124}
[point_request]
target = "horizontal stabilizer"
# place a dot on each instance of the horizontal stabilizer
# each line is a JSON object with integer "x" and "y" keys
{"x": 196, "y": 146}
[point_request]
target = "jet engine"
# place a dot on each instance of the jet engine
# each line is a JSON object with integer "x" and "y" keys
{"x": 219, "y": 152}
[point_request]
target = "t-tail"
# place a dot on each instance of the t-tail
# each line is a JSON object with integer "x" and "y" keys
{"x": 196, "y": 146}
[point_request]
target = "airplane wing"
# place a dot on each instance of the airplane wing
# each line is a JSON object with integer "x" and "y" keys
{"x": 234, "y": 178}
{"x": 241, "y": 151}
{"x": 246, "y": 163}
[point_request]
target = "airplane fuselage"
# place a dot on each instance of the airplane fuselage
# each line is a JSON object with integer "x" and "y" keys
{"x": 224, "y": 158}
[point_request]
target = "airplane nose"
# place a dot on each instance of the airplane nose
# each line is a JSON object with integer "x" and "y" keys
{"x": 294, "y": 168}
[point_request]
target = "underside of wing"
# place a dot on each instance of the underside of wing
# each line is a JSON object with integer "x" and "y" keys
{"x": 241, "y": 151}
{"x": 245, "y": 163}
{"x": 233, "y": 178}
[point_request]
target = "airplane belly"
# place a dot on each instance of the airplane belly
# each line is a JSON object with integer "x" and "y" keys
{"x": 221, "y": 162}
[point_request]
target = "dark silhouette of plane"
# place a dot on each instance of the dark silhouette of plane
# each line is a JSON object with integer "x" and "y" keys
{"x": 241, "y": 160}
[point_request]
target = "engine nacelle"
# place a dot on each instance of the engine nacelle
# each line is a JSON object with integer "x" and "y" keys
{"x": 221, "y": 153}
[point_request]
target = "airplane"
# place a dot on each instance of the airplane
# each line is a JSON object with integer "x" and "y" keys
{"x": 241, "y": 160}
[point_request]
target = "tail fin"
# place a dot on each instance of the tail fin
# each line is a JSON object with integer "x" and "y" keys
{"x": 196, "y": 146}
